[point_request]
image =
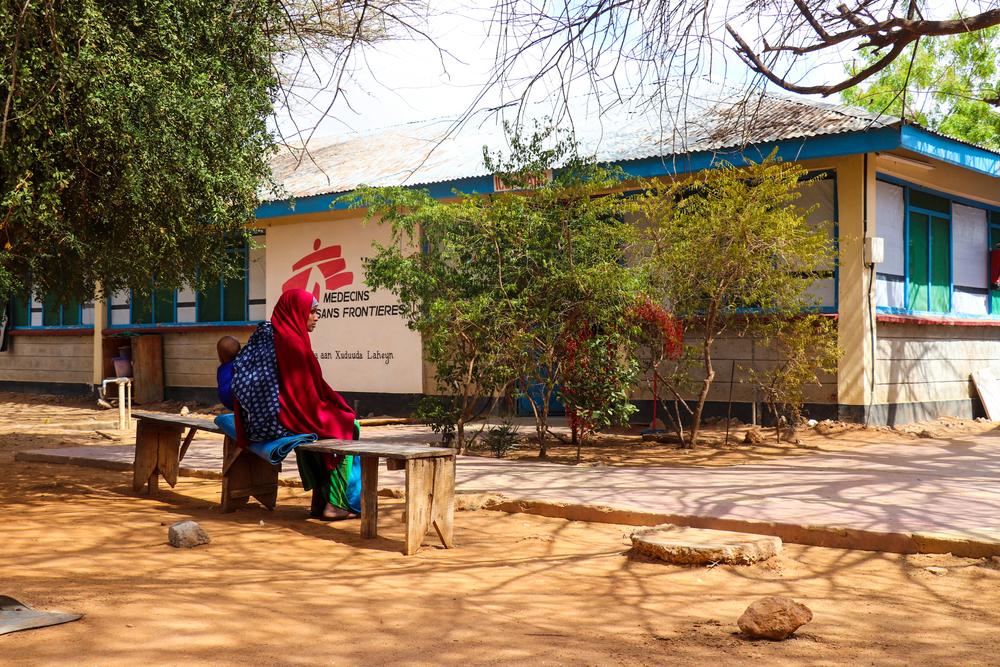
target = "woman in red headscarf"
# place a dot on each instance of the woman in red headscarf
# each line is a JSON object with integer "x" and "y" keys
{"x": 305, "y": 402}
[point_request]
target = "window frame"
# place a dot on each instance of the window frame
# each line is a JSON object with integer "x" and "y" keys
{"x": 993, "y": 314}
{"x": 196, "y": 323}
{"x": 30, "y": 305}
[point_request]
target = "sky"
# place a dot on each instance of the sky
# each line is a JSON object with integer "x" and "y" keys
{"x": 410, "y": 79}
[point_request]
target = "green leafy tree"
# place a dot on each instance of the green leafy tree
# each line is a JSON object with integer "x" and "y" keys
{"x": 942, "y": 83}
{"x": 133, "y": 139}
{"x": 498, "y": 285}
{"x": 731, "y": 253}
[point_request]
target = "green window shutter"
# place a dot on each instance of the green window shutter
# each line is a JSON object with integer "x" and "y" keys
{"x": 142, "y": 309}
{"x": 917, "y": 292}
{"x": 51, "y": 317}
{"x": 163, "y": 305}
{"x": 940, "y": 278}
{"x": 21, "y": 305}
{"x": 71, "y": 313}
{"x": 210, "y": 305}
{"x": 234, "y": 294}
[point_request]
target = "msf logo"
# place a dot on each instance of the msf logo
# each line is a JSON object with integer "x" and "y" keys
{"x": 331, "y": 269}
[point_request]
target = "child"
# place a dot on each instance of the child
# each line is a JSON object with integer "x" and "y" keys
{"x": 227, "y": 348}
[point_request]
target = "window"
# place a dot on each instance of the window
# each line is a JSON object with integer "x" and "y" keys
{"x": 936, "y": 253}
{"x": 60, "y": 314}
{"x": 928, "y": 258}
{"x": 226, "y": 300}
{"x": 157, "y": 307}
{"x": 822, "y": 194}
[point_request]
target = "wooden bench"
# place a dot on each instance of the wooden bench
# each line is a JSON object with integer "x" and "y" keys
{"x": 430, "y": 485}
{"x": 160, "y": 446}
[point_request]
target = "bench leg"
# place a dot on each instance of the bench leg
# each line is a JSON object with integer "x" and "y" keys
{"x": 369, "y": 496}
{"x": 419, "y": 486}
{"x": 245, "y": 475}
{"x": 443, "y": 501}
{"x": 157, "y": 449}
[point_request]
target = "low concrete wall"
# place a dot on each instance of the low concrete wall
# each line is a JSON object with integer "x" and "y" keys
{"x": 924, "y": 370}
{"x": 49, "y": 360}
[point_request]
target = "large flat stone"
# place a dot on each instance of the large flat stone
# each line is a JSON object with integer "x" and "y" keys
{"x": 698, "y": 546}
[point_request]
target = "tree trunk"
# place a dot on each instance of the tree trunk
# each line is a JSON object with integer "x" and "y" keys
{"x": 706, "y": 384}
{"x": 460, "y": 435}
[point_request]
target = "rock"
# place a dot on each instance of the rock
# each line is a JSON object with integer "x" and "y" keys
{"x": 186, "y": 534}
{"x": 934, "y": 569}
{"x": 812, "y": 423}
{"x": 773, "y": 618}
{"x": 925, "y": 434}
{"x": 184, "y": 411}
{"x": 697, "y": 546}
{"x": 753, "y": 436}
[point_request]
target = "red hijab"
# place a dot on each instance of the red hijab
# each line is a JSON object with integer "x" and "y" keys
{"x": 308, "y": 404}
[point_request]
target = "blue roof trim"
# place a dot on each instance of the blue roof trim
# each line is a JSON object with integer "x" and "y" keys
{"x": 832, "y": 145}
{"x": 950, "y": 151}
{"x": 321, "y": 203}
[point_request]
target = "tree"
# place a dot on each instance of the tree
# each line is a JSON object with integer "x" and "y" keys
{"x": 941, "y": 84}
{"x": 654, "y": 52}
{"x": 732, "y": 254}
{"x": 132, "y": 140}
{"x": 504, "y": 288}
{"x": 446, "y": 262}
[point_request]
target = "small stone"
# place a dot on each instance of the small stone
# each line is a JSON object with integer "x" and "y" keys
{"x": 773, "y": 618}
{"x": 934, "y": 569}
{"x": 753, "y": 436}
{"x": 812, "y": 423}
{"x": 184, "y": 411}
{"x": 925, "y": 434}
{"x": 186, "y": 534}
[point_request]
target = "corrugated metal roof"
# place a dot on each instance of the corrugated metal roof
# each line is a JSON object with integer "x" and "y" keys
{"x": 424, "y": 153}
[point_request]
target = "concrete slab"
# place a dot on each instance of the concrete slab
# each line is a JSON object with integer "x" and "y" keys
{"x": 927, "y": 497}
{"x": 681, "y": 545}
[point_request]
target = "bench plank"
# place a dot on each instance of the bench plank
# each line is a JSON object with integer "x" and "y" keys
{"x": 385, "y": 450}
{"x": 178, "y": 420}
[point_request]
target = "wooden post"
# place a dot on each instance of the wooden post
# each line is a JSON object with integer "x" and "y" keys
{"x": 145, "y": 455}
{"x": 369, "y": 496}
{"x": 419, "y": 485}
{"x": 443, "y": 500}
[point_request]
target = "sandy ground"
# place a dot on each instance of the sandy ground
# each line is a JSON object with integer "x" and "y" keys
{"x": 276, "y": 589}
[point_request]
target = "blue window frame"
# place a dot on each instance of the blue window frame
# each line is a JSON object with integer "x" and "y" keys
{"x": 54, "y": 313}
{"x": 225, "y": 302}
{"x": 928, "y": 250}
